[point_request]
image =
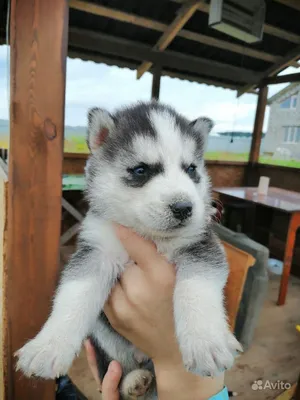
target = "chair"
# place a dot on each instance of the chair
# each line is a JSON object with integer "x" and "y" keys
{"x": 239, "y": 262}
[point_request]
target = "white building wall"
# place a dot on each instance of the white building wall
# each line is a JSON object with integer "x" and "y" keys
{"x": 278, "y": 119}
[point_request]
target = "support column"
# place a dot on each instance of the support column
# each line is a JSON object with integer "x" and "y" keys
{"x": 258, "y": 124}
{"x": 156, "y": 83}
{"x": 38, "y": 50}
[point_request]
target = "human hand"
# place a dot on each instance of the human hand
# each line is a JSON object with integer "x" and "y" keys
{"x": 110, "y": 385}
{"x": 140, "y": 308}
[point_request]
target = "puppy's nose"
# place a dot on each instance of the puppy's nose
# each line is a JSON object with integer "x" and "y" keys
{"x": 182, "y": 209}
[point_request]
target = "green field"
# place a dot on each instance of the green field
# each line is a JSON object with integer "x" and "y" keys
{"x": 223, "y": 156}
{"x": 77, "y": 144}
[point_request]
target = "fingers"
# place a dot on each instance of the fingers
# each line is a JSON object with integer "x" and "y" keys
{"x": 142, "y": 251}
{"x": 110, "y": 386}
{"x": 92, "y": 361}
{"x": 139, "y": 249}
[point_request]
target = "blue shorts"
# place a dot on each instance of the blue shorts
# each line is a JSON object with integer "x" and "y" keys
{"x": 223, "y": 395}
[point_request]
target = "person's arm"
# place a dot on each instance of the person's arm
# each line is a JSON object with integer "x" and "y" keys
{"x": 141, "y": 309}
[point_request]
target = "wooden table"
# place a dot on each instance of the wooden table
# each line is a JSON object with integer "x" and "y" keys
{"x": 279, "y": 199}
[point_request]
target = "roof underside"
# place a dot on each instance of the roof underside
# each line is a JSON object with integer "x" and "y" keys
{"x": 197, "y": 53}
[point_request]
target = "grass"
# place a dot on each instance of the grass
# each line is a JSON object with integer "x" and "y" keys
{"x": 78, "y": 145}
{"x": 225, "y": 156}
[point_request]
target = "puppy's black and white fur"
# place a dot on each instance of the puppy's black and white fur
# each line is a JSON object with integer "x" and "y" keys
{"x": 145, "y": 171}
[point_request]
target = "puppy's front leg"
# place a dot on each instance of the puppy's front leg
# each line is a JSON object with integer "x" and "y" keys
{"x": 84, "y": 287}
{"x": 207, "y": 345}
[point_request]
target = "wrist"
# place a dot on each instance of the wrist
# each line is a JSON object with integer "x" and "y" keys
{"x": 175, "y": 383}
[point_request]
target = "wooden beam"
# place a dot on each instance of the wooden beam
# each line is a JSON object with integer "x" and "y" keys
{"x": 290, "y": 3}
{"x": 274, "y": 69}
{"x": 105, "y": 44}
{"x": 117, "y": 15}
{"x": 269, "y": 29}
{"x": 184, "y": 14}
{"x": 156, "y": 82}
{"x": 258, "y": 124}
{"x": 4, "y": 345}
{"x": 38, "y": 50}
{"x": 281, "y": 33}
{"x": 282, "y": 79}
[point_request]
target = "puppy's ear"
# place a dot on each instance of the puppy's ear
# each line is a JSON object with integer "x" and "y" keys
{"x": 203, "y": 125}
{"x": 100, "y": 125}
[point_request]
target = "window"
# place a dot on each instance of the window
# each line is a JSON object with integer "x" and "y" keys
{"x": 289, "y": 103}
{"x": 291, "y": 134}
{"x": 286, "y": 103}
{"x": 294, "y": 102}
{"x": 286, "y": 134}
{"x": 298, "y": 135}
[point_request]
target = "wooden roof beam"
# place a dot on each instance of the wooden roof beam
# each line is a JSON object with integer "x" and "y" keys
{"x": 290, "y": 3}
{"x": 289, "y": 78}
{"x": 184, "y": 14}
{"x": 274, "y": 69}
{"x": 105, "y": 44}
{"x": 122, "y": 16}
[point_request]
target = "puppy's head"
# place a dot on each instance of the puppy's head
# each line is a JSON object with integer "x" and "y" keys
{"x": 146, "y": 169}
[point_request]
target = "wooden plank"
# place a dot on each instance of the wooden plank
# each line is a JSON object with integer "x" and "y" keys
{"x": 4, "y": 346}
{"x": 274, "y": 69}
{"x": 290, "y": 3}
{"x": 96, "y": 42}
{"x": 282, "y": 79}
{"x": 71, "y": 209}
{"x": 288, "y": 394}
{"x": 137, "y": 20}
{"x": 184, "y": 14}
{"x": 294, "y": 225}
{"x": 38, "y": 49}
{"x": 281, "y": 33}
{"x": 258, "y": 124}
{"x": 69, "y": 233}
{"x": 239, "y": 262}
{"x": 156, "y": 83}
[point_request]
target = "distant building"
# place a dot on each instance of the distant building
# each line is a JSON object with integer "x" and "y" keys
{"x": 284, "y": 122}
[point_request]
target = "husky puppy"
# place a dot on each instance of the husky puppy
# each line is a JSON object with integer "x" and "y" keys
{"x": 146, "y": 171}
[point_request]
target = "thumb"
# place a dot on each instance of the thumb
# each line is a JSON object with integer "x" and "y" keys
{"x": 110, "y": 384}
{"x": 140, "y": 250}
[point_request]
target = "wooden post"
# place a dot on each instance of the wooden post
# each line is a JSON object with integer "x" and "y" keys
{"x": 3, "y": 285}
{"x": 258, "y": 124}
{"x": 156, "y": 83}
{"x": 38, "y": 43}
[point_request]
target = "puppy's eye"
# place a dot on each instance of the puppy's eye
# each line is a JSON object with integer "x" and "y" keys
{"x": 191, "y": 169}
{"x": 140, "y": 170}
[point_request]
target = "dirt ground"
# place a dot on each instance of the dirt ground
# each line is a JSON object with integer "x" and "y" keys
{"x": 274, "y": 354}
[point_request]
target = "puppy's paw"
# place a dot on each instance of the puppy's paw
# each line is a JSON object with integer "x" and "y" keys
{"x": 212, "y": 354}
{"x": 45, "y": 357}
{"x": 136, "y": 383}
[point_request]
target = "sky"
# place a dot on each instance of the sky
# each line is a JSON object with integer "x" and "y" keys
{"x": 89, "y": 84}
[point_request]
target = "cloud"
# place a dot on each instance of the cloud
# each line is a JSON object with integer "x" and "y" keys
{"x": 90, "y": 84}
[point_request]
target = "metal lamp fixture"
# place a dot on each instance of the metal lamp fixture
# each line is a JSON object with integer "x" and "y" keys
{"x": 243, "y": 20}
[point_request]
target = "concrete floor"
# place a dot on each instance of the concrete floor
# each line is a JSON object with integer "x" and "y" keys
{"x": 274, "y": 354}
